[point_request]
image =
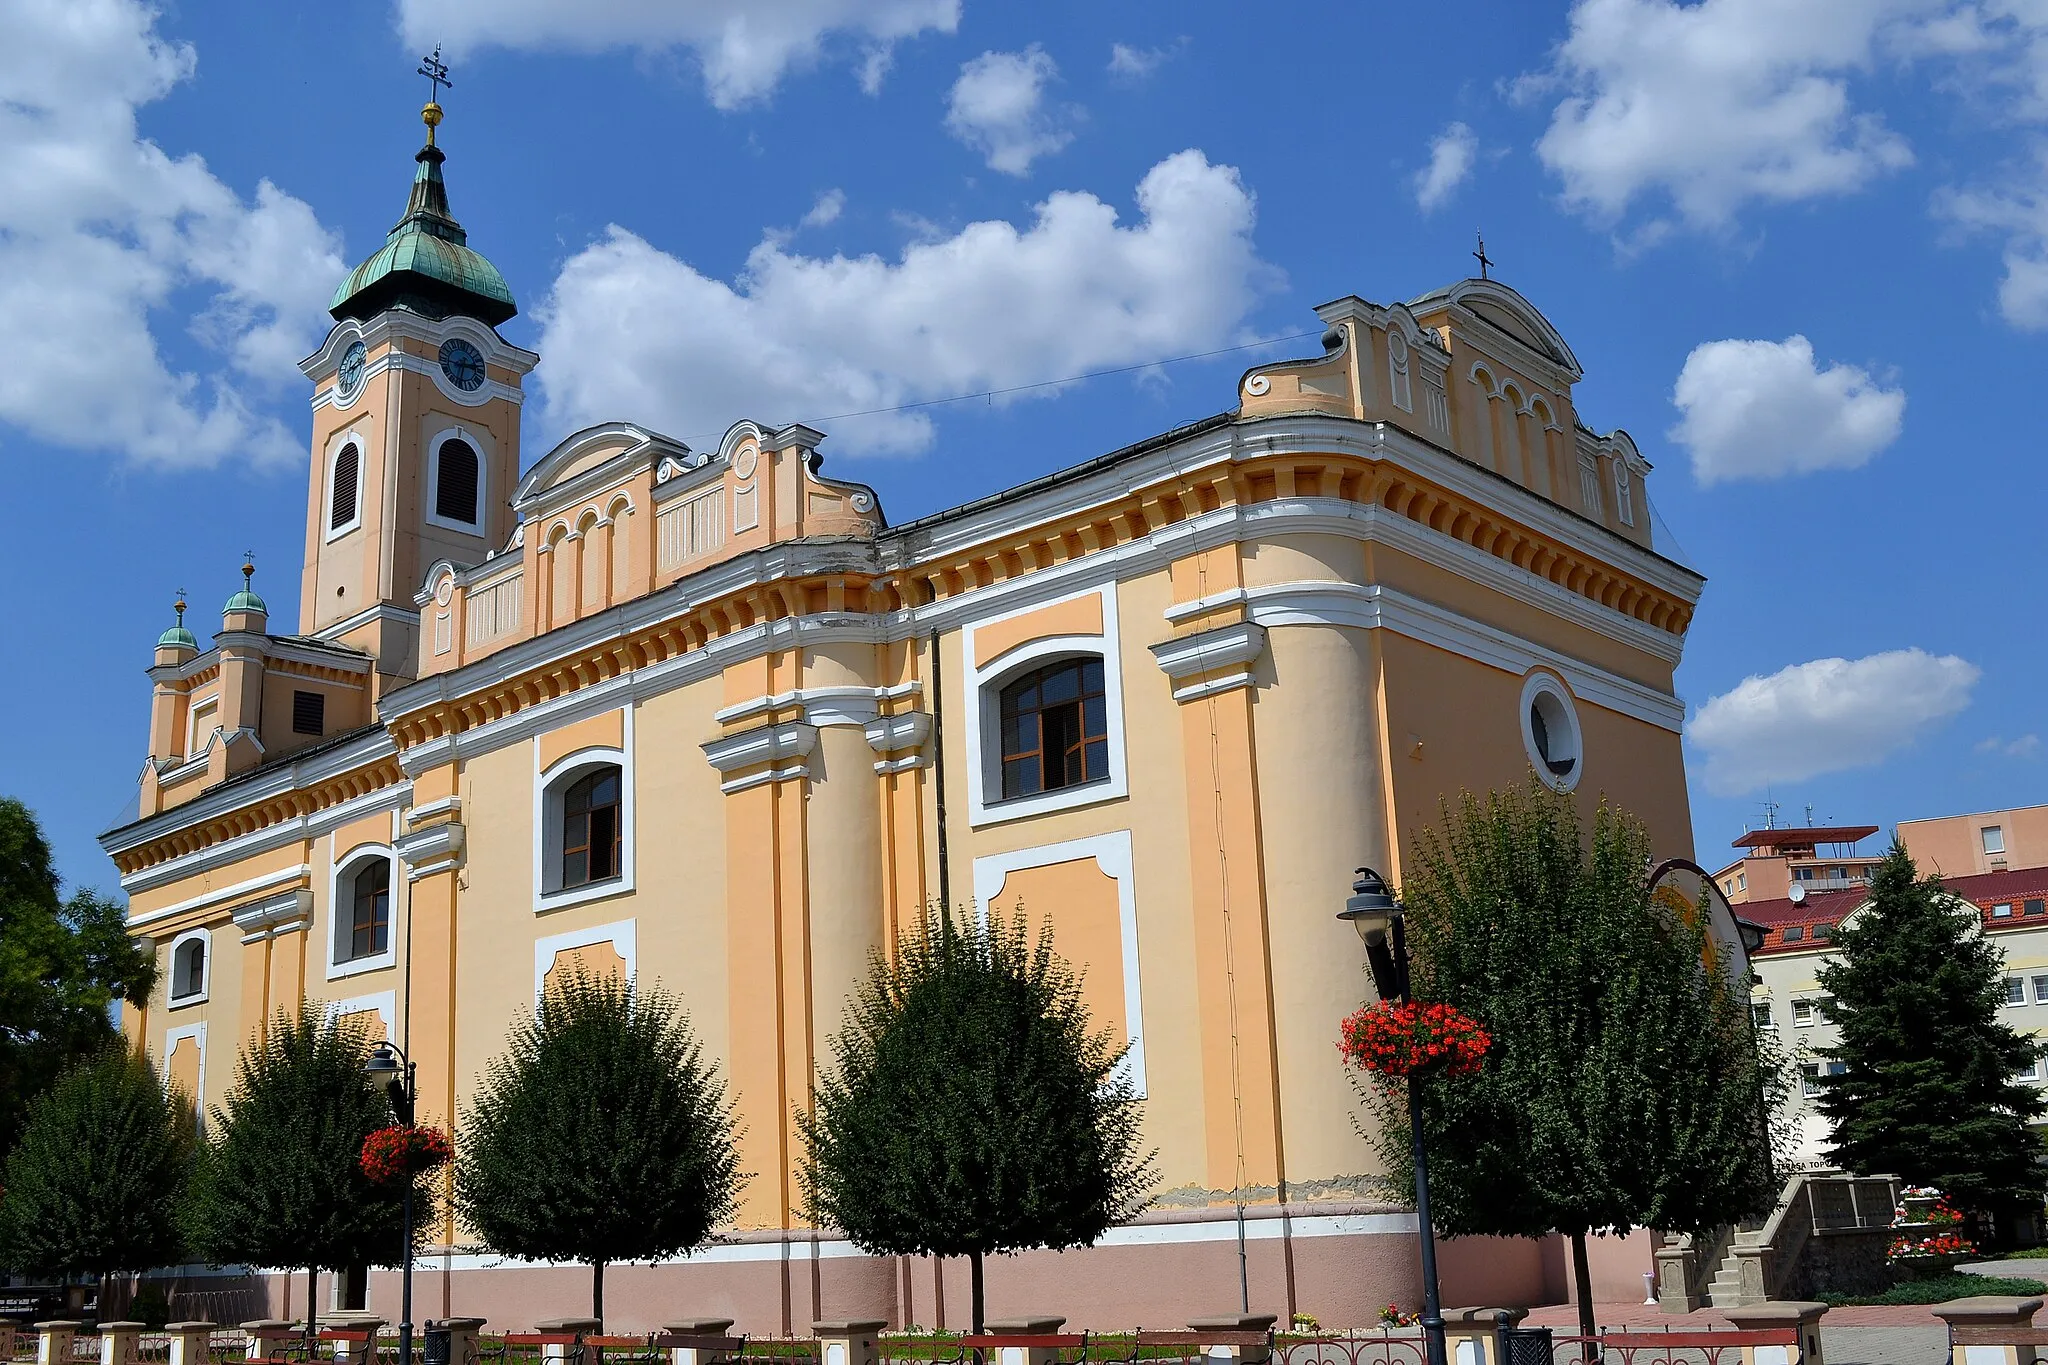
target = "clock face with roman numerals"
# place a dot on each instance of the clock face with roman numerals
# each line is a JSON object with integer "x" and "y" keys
{"x": 352, "y": 370}
{"x": 463, "y": 364}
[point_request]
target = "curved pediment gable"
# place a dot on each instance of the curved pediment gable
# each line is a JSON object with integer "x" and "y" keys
{"x": 624, "y": 444}
{"x": 1505, "y": 311}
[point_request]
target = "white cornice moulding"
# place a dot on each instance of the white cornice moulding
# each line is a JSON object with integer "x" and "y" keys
{"x": 252, "y": 887}
{"x": 434, "y": 849}
{"x": 274, "y": 915}
{"x": 1206, "y": 657}
{"x": 263, "y": 840}
{"x": 447, "y": 805}
{"x": 769, "y": 744}
{"x": 890, "y": 735}
{"x": 842, "y": 705}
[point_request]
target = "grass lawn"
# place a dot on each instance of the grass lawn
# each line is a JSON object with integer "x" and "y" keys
{"x": 1939, "y": 1289}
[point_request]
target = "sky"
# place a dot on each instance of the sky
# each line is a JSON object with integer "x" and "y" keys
{"x": 1800, "y": 250}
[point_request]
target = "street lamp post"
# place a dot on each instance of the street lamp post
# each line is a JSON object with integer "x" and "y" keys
{"x": 401, "y": 1081}
{"x": 1373, "y": 911}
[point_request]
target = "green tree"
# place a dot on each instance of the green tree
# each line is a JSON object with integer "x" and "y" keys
{"x": 279, "y": 1180}
{"x": 63, "y": 963}
{"x": 970, "y": 1109}
{"x": 601, "y": 1135}
{"x": 1927, "y": 1090}
{"x": 1625, "y": 1087}
{"x": 94, "y": 1184}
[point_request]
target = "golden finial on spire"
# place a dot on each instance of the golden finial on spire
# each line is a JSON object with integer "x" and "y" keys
{"x": 179, "y": 606}
{"x": 248, "y": 568}
{"x": 436, "y": 72}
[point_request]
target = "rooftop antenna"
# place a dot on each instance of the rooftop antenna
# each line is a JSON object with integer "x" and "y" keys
{"x": 1480, "y": 254}
{"x": 1770, "y": 813}
{"x": 1809, "y": 815}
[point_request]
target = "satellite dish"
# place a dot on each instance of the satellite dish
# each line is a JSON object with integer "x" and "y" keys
{"x": 1798, "y": 894}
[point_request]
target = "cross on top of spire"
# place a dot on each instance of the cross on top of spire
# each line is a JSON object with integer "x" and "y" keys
{"x": 436, "y": 72}
{"x": 1484, "y": 262}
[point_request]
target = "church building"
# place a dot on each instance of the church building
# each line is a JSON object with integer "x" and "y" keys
{"x": 708, "y": 718}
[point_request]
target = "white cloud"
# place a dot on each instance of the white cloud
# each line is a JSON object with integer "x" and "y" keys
{"x": 2016, "y": 204}
{"x": 1763, "y": 410}
{"x": 1715, "y": 104}
{"x": 2026, "y": 746}
{"x": 103, "y": 236}
{"x": 744, "y": 46}
{"x": 998, "y": 108}
{"x": 830, "y": 205}
{"x": 632, "y": 332}
{"x": 1826, "y": 716}
{"x": 1451, "y": 154}
{"x": 1140, "y": 62}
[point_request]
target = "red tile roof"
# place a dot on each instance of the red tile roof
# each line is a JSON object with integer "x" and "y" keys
{"x": 1830, "y": 907}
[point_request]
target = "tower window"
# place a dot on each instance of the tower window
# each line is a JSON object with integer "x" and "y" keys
{"x": 342, "y": 505}
{"x": 591, "y": 829}
{"x": 309, "y": 713}
{"x": 188, "y": 968}
{"x": 1055, "y": 728}
{"x": 455, "y": 482}
{"x": 370, "y": 910}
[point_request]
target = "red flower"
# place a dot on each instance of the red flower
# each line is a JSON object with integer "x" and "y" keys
{"x": 1413, "y": 1039}
{"x": 392, "y": 1154}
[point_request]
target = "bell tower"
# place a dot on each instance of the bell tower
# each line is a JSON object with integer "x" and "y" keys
{"x": 415, "y": 428}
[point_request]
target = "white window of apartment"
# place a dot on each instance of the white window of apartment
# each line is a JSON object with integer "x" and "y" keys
{"x": 1760, "y": 1013}
{"x": 1994, "y": 839}
{"x": 2015, "y": 990}
{"x": 1809, "y": 1079}
{"x": 2041, "y": 990}
{"x": 1742, "y": 881}
{"x": 2029, "y": 1074}
{"x": 2002, "y": 910}
{"x": 1802, "y": 1014}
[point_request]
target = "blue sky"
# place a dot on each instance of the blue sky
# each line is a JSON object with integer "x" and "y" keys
{"x": 1798, "y": 249}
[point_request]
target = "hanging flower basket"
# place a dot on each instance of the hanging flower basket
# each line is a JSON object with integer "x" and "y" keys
{"x": 393, "y": 1154}
{"x": 1400, "y": 1040}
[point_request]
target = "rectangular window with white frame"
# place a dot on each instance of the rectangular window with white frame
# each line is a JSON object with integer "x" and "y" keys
{"x": 1803, "y": 1014}
{"x": 2041, "y": 990}
{"x": 2015, "y": 990}
{"x": 1993, "y": 837}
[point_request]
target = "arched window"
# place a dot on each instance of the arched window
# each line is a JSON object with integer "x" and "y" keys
{"x": 341, "y": 506}
{"x": 369, "y": 911}
{"x": 591, "y": 829}
{"x": 1055, "y": 728}
{"x": 455, "y": 482}
{"x": 188, "y": 968}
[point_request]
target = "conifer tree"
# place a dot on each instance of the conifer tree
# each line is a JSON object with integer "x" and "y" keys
{"x": 971, "y": 1110}
{"x": 1927, "y": 1090}
{"x": 280, "y": 1182}
{"x": 600, "y": 1135}
{"x": 1625, "y": 1087}
{"x": 93, "y": 1187}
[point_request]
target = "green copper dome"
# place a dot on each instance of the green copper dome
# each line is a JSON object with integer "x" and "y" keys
{"x": 177, "y": 637}
{"x": 425, "y": 265}
{"x": 245, "y": 601}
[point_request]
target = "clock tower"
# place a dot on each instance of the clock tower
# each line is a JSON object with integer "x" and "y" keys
{"x": 415, "y": 429}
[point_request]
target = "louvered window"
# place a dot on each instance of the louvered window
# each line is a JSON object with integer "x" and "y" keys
{"x": 309, "y": 713}
{"x": 342, "y": 505}
{"x": 455, "y": 483}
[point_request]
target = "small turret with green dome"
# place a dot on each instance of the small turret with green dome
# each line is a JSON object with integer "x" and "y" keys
{"x": 177, "y": 637}
{"x": 426, "y": 265}
{"x": 246, "y": 599}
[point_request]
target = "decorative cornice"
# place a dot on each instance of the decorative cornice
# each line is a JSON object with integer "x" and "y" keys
{"x": 433, "y": 849}
{"x": 280, "y": 914}
{"x": 892, "y": 735}
{"x": 768, "y": 744}
{"x": 1213, "y": 661}
{"x": 254, "y": 886}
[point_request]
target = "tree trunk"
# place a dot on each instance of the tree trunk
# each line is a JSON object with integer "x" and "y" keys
{"x": 597, "y": 1293}
{"x": 1582, "y": 1276}
{"x": 312, "y": 1315}
{"x": 974, "y": 1267}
